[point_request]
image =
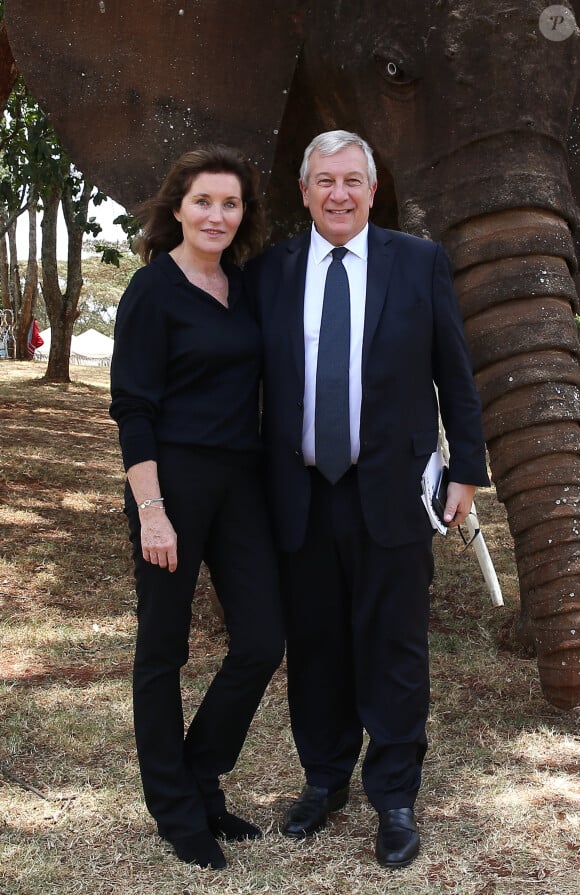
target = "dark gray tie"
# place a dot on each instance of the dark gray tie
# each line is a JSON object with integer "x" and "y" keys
{"x": 331, "y": 417}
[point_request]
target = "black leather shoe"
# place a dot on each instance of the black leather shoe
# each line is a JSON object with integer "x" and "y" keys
{"x": 397, "y": 837}
{"x": 309, "y": 813}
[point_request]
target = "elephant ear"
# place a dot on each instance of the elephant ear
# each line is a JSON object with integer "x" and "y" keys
{"x": 130, "y": 86}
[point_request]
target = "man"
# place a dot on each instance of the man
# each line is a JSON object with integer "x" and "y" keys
{"x": 350, "y": 420}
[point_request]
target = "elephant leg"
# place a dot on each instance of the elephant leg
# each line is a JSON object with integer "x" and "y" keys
{"x": 516, "y": 294}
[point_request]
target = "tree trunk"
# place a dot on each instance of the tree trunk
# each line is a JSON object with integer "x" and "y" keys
{"x": 75, "y": 214}
{"x": 62, "y": 307}
{"x": 59, "y": 312}
{"x": 30, "y": 291}
{"x": 14, "y": 289}
{"x": 5, "y": 274}
{"x": 516, "y": 291}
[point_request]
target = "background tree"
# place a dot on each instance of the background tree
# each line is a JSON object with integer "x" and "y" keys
{"x": 103, "y": 286}
{"x": 18, "y": 194}
{"x": 37, "y": 174}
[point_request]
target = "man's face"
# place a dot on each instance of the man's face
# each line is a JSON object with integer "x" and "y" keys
{"x": 338, "y": 194}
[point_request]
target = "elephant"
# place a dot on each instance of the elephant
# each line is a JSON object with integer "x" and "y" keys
{"x": 472, "y": 110}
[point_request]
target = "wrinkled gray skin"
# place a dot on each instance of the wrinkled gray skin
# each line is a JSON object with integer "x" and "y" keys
{"x": 469, "y": 113}
{"x": 469, "y": 108}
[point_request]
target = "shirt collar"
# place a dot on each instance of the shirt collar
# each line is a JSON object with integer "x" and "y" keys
{"x": 321, "y": 248}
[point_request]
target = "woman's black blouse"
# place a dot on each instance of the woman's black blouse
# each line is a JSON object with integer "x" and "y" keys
{"x": 185, "y": 369}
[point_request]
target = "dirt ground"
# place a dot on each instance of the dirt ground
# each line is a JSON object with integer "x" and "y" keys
{"x": 499, "y": 809}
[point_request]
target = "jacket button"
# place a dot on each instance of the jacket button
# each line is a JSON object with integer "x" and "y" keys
{"x": 300, "y": 404}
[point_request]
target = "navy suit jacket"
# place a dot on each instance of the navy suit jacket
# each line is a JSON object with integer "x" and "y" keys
{"x": 413, "y": 337}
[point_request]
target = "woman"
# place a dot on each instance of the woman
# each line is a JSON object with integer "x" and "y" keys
{"x": 184, "y": 385}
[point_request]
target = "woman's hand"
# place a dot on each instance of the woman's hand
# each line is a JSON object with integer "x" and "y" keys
{"x": 158, "y": 538}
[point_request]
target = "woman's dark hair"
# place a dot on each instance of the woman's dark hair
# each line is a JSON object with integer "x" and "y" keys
{"x": 161, "y": 231}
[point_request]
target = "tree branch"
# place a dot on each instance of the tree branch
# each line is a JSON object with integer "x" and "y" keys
{"x": 6, "y": 223}
{"x": 16, "y": 780}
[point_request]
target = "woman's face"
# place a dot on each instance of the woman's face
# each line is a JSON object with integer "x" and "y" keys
{"x": 211, "y": 212}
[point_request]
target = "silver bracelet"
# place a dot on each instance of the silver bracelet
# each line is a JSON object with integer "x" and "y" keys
{"x": 150, "y": 502}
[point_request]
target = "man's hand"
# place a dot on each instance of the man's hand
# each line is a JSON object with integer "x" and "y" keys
{"x": 458, "y": 506}
{"x": 158, "y": 539}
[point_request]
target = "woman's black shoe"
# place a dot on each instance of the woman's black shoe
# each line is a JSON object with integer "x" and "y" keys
{"x": 232, "y": 828}
{"x": 199, "y": 848}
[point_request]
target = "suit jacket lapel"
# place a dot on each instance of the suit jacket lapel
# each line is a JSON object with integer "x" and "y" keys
{"x": 294, "y": 280}
{"x": 379, "y": 268}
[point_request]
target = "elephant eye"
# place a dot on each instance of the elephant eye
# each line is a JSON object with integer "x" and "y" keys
{"x": 393, "y": 69}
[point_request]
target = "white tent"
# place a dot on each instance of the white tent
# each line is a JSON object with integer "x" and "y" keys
{"x": 92, "y": 344}
{"x": 91, "y": 348}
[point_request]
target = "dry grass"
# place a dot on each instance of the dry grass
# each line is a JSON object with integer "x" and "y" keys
{"x": 500, "y": 805}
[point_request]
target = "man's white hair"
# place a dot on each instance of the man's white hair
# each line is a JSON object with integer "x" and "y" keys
{"x": 332, "y": 142}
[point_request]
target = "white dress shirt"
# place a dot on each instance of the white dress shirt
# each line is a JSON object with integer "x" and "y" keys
{"x": 355, "y": 263}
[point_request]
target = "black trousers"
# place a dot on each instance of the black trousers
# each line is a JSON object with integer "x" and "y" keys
{"x": 357, "y": 619}
{"x": 216, "y": 506}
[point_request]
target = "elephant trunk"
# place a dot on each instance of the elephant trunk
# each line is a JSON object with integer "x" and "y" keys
{"x": 516, "y": 294}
